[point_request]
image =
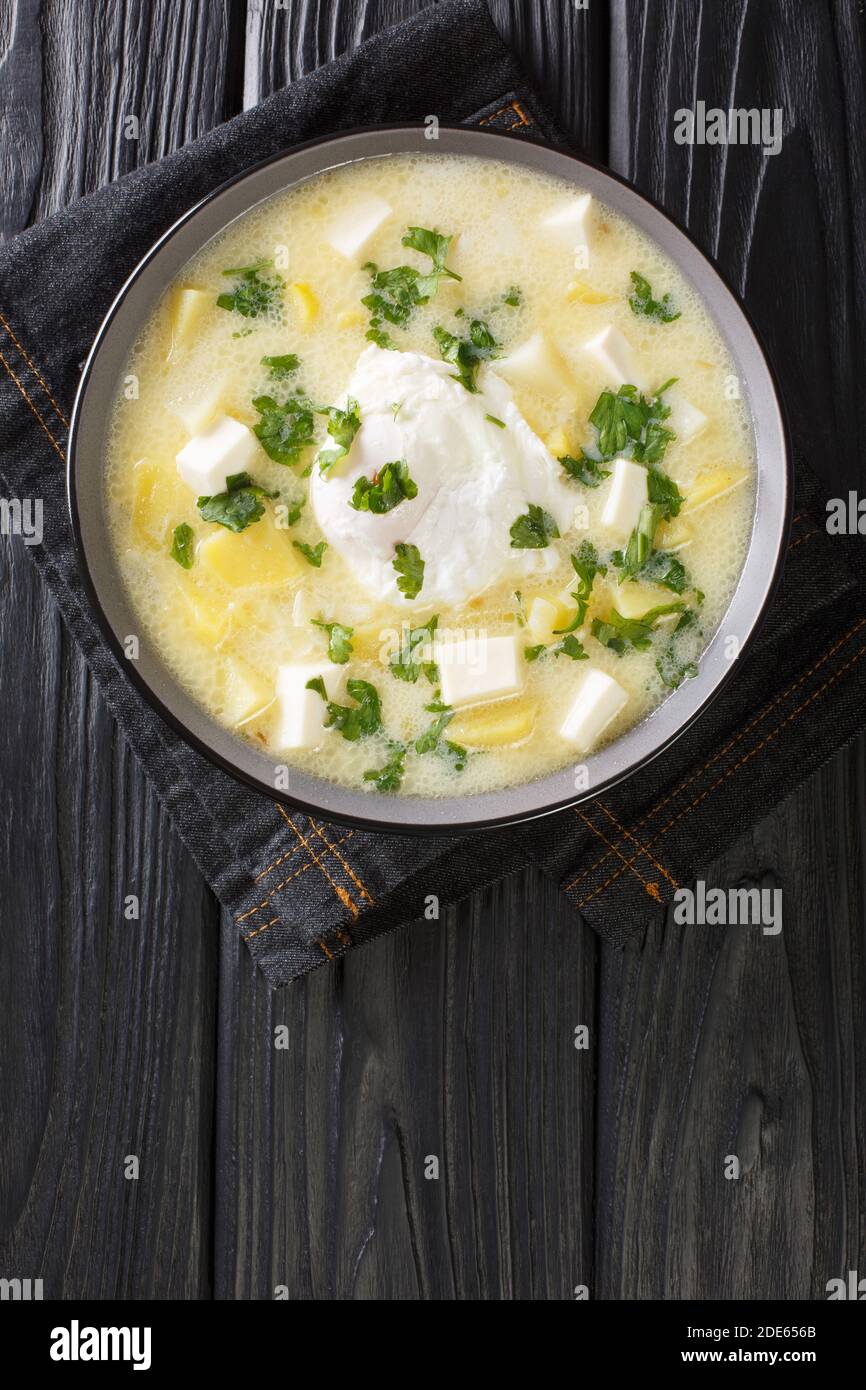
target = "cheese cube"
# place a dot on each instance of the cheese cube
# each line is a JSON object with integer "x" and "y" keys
{"x": 351, "y": 229}
{"x": 627, "y": 494}
{"x": 225, "y": 447}
{"x": 301, "y": 712}
{"x": 613, "y": 353}
{"x": 598, "y": 701}
{"x": 478, "y": 668}
{"x": 535, "y": 365}
{"x": 569, "y": 221}
{"x": 685, "y": 419}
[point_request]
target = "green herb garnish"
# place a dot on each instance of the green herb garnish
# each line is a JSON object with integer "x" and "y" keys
{"x": 410, "y": 569}
{"x": 389, "y": 777}
{"x": 282, "y": 366}
{"x": 645, "y": 306}
{"x": 339, "y": 640}
{"x": 619, "y": 633}
{"x": 236, "y": 508}
{"x": 672, "y": 668}
{"x": 407, "y": 663}
{"x": 343, "y": 425}
{"x": 312, "y": 553}
{"x": 534, "y": 530}
{"x": 352, "y": 722}
{"x": 569, "y": 646}
{"x": 627, "y": 419}
{"x": 253, "y": 294}
{"x": 467, "y": 354}
{"x": 182, "y": 541}
{"x": 586, "y": 565}
{"x": 584, "y": 469}
{"x": 513, "y": 297}
{"x": 495, "y": 420}
{"x": 387, "y": 489}
{"x": 284, "y": 430}
{"x": 664, "y": 493}
{"x": 395, "y": 293}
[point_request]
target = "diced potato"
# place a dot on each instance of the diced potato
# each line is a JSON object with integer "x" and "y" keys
{"x": 368, "y": 641}
{"x": 208, "y": 616}
{"x": 509, "y": 722}
{"x": 161, "y": 500}
{"x": 545, "y": 614}
{"x": 712, "y": 486}
{"x": 558, "y": 442}
{"x": 305, "y": 303}
{"x": 185, "y": 310}
{"x": 198, "y": 409}
{"x": 674, "y": 534}
{"x": 633, "y": 600}
{"x": 260, "y": 557}
{"x": 244, "y": 692}
{"x": 579, "y": 292}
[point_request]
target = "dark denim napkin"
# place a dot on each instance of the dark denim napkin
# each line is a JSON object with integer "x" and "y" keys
{"x": 303, "y": 891}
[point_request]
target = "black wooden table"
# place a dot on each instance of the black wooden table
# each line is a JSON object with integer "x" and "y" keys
{"x": 306, "y": 1168}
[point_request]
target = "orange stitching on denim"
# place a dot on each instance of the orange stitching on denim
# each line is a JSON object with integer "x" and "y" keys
{"x": 349, "y": 870}
{"x": 35, "y": 370}
{"x": 323, "y": 947}
{"x": 510, "y": 106}
{"x": 687, "y": 810}
{"x": 340, "y": 892}
{"x": 278, "y": 887}
{"x": 643, "y": 849}
{"x": 342, "y": 936}
{"x": 262, "y": 928}
{"x": 32, "y": 407}
{"x": 687, "y": 782}
{"x": 651, "y": 888}
{"x": 283, "y": 857}
{"x": 808, "y": 536}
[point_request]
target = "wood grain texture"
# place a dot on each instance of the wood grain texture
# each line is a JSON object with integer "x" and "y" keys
{"x": 450, "y": 1039}
{"x": 725, "y": 1041}
{"x": 107, "y": 1031}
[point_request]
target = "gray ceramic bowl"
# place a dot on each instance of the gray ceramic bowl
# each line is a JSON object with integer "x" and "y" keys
{"x": 549, "y": 793}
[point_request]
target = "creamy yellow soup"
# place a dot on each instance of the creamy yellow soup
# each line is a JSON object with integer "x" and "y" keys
{"x": 446, "y": 586}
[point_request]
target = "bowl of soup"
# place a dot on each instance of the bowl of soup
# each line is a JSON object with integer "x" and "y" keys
{"x": 428, "y": 483}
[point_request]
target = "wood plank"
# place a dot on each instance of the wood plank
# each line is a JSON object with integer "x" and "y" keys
{"x": 451, "y": 1039}
{"x": 720, "y": 1041}
{"x": 108, "y": 1024}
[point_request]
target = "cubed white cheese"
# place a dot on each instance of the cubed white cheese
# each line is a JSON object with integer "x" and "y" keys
{"x": 351, "y": 229}
{"x": 685, "y": 419}
{"x": 197, "y": 409}
{"x": 599, "y": 700}
{"x": 570, "y": 221}
{"x": 627, "y": 493}
{"x": 302, "y": 712}
{"x": 478, "y": 668}
{"x": 224, "y": 448}
{"x": 535, "y": 365}
{"x": 612, "y": 352}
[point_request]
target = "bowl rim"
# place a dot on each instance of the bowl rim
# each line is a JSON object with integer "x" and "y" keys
{"x": 445, "y": 815}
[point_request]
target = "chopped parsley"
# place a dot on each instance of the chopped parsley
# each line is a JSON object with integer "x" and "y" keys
{"x": 353, "y": 722}
{"x": 640, "y": 543}
{"x": 645, "y": 306}
{"x": 569, "y": 646}
{"x": 284, "y": 430}
{"x": 410, "y": 569}
{"x": 513, "y": 297}
{"x": 495, "y": 420}
{"x": 293, "y": 514}
{"x": 666, "y": 570}
{"x": 387, "y": 489}
{"x": 389, "y": 777}
{"x": 664, "y": 493}
{"x": 312, "y": 553}
{"x": 431, "y": 741}
{"x": 236, "y": 508}
{"x": 618, "y": 633}
{"x": 343, "y": 425}
{"x": 584, "y": 469}
{"x": 253, "y": 294}
{"x": 395, "y": 293}
{"x": 628, "y": 419}
{"x": 534, "y": 530}
{"x": 339, "y": 640}
{"x": 586, "y": 565}
{"x": 281, "y": 367}
{"x": 671, "y": 666}
{"x": 407, "y": 662}
{"x": 467, "y": 354}
{"x": 182, "y": 541}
